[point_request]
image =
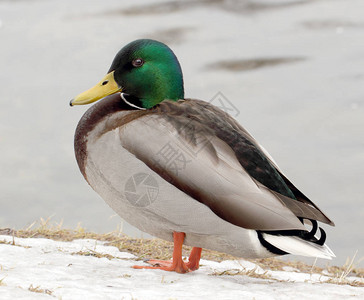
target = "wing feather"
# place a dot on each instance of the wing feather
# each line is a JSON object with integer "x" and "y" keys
{"x": 205, "y": 153}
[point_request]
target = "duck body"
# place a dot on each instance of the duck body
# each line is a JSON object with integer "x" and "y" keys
{"x": 184, "y": 170}
{"x": 169, "y": 209}
{"x": 170, "y": 155}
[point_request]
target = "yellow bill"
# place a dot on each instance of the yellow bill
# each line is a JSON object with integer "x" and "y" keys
{"x": 107, "y": 86}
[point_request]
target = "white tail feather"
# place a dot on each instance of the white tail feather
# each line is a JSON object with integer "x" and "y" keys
{"x": 298, "y": 246}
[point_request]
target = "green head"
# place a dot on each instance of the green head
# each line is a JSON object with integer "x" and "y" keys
{"x": 145, "y": 69}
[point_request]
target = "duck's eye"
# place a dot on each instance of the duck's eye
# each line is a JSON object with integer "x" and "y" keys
{"x": 137, "y": 62}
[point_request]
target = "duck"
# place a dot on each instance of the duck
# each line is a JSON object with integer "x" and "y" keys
{"x": 185, "y": 171}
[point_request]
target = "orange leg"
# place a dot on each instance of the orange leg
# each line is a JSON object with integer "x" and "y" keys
{"x": 177, "y": 264}
{"x": 194, "y": 259}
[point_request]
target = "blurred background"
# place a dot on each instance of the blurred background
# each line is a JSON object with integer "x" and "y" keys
{"x": 293, "y": 69}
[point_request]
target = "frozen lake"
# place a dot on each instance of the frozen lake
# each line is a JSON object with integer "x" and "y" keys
{"x": 293, "y": 70}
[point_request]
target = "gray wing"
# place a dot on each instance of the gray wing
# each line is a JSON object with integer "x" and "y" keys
{"x": 178, "y": 142}
{"x": 259, "y": 164}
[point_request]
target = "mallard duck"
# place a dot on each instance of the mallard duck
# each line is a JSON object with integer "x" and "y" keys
{"x": 185, "y": 171}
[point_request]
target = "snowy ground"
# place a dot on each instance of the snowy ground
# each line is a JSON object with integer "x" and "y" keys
{"x": 35, "y": 268}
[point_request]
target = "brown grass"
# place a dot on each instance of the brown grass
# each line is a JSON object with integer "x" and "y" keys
{"x": 160, "y": 249}
{"x": 37, "y": 289}
{"x": 94, "y": 254}
{"x": 251, "y": 273}
{"x": 2, "y": 281}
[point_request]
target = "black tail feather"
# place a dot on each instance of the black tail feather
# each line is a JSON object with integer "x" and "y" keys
{"x": 310, "y": 235}
{"x": 322, "y": 239}
{"x": 305, "y": 235}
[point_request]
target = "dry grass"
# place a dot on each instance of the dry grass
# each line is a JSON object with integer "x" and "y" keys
{"x": 2, "y": 281}
{"x": 251, "y": 273}
{"x": 348, "y": 269}
{"x": 12, "y": 243}
{"x": 278, "y": 265}
{"x": 37, "y": 289}
{"x": 160, "y": 249}
{"x": 142, "y": 248}
{"x": 94, "y": 254}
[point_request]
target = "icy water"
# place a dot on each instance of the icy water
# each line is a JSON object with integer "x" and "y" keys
{"x": 293, "y": 72}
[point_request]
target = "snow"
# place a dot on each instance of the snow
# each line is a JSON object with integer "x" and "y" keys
{"x": 56, "y": 270}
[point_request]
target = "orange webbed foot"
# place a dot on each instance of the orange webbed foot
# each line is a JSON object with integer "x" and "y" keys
{"x": 176, "y": 264}
{"x": 179, "y": 267}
